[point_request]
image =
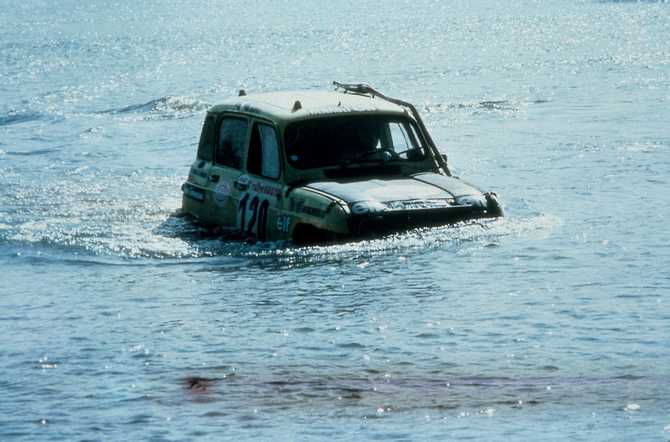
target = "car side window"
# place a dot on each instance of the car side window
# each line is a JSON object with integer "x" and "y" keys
{"x": 232, "y": 142}
{"x": 207, "y": 136}
{"x": 405, "y": 142}
{"x": 263, "y": 157}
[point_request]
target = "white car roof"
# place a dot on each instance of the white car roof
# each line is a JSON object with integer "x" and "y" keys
{"x": 288, "y": 106}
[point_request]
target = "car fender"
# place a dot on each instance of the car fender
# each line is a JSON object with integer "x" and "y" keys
{"x": 307, "y": 207}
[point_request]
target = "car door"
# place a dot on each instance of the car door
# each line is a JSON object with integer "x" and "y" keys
{"x": 258, "y": 206}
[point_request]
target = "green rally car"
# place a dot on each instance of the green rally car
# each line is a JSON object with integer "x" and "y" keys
{"x": 324, "y": 166}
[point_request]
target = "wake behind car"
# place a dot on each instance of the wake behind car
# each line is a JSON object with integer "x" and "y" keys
{"x": 315, "y": 167}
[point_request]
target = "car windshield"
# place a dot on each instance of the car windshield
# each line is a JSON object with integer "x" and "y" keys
{"x": 352, "y": 139}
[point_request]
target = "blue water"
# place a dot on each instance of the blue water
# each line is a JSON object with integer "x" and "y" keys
{"x": 121, "y": 320}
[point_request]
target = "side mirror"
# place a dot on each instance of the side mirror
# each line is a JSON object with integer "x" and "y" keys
{"x": 447, "y": 171}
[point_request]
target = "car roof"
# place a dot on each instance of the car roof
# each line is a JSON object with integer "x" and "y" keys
{"x": 294, "y": 105}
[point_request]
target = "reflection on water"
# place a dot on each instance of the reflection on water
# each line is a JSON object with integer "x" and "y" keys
{"x": 448, "y": 397}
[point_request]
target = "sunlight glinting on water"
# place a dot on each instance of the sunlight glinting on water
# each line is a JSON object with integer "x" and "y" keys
{"x": 129, "y": 320}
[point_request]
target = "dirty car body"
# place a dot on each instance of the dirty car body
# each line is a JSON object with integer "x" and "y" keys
{"x": 324, "y": 166}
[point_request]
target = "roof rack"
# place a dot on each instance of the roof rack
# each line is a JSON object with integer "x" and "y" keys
{"x": 366, "y": 89}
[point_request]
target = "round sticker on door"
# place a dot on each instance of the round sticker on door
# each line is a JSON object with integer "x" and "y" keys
{"x": 221, "y": 193}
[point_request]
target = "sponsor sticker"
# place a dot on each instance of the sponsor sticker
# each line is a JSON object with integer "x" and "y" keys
{"x": 222, "y": 193}
{"x": 259, "y": 187}
{"x": 341, "y": 109}
{"x": 299, "y": 205}
{"x": 417, "y": 204}
{"x": 194, "y": 192}
{"x": 199, "y": 173}
{"x": 283, "y": 223}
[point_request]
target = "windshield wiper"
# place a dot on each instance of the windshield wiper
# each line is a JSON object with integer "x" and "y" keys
{"x": 393, "y": 156}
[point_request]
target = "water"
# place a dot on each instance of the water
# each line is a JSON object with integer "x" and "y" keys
{"x": 122, "y": 320}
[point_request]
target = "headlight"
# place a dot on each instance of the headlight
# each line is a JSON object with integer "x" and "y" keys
{"x": 471, "y": 200}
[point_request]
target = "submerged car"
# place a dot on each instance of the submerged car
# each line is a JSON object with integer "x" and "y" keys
{"x": 317, "y": 167}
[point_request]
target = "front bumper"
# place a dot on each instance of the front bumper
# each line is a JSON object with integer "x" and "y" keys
{"x": 376, "y": 224}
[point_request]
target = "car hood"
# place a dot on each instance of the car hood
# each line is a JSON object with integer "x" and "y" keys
{"x": 417, "y": 188}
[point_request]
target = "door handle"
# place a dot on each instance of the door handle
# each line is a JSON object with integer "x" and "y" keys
{"x": 214, "y": 178}
{"x": 240, "y": 186}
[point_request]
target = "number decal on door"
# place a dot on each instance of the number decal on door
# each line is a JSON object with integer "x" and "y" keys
{"x": 258, "y": 209}
{"x": 263, "y": 219}
{"x": 242, "y": 211}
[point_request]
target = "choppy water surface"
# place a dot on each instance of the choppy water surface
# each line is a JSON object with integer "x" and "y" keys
{"x": 123, "y": 320}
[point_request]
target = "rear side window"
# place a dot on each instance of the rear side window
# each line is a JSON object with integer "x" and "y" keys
{"x": 263, "y": 157}
{"x": 206, "y": 146}
{"x": 232, "y": 142}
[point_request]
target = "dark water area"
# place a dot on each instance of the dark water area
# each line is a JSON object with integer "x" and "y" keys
{"x": 123, "y": 319}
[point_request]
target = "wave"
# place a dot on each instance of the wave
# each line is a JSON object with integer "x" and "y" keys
{"x": 507, "y": 108}
{"x": 19, "y": 116}
{"x": 106, "y": 227}
{"x": 135, "y": 215}
{"x": 165, "y": 108}
{"x": 162, "y": 109}
{"x": 478, "y": 233}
